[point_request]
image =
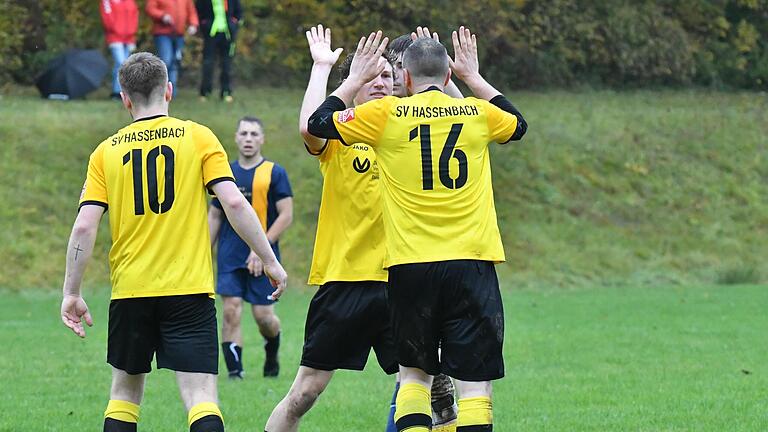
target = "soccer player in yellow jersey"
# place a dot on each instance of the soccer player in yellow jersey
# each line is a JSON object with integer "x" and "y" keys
{"x": 348, "y": 315}
{"x": 444, "y": 408}
{"x": 440, "y": 222}
{"x": 152, "y": 176}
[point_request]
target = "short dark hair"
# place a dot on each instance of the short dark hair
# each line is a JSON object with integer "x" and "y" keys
{"x": 250, "y": 119}
{"x": 426, "y": 58}
{"x": 399, "y": 45}
{"x": 344, "y": 66}
{"x": 143, "y": 77}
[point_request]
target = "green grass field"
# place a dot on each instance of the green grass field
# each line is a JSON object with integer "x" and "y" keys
{"x": 634, "y": 227}
{"x": 637, "y": 188}
{"x": 601, "y": 359}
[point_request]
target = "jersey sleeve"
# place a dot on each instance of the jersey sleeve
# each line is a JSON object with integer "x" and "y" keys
{"x": 280, "y": 186}
{"x": 214, "y": 159}
{"x": 95, "y": 187}
{"x": 364, "y": 123}
{"x": 501, "y": 124}
{"x": 330, "y": 148}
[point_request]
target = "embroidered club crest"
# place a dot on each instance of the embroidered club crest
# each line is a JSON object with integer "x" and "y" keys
{"x": 347, "y": 115}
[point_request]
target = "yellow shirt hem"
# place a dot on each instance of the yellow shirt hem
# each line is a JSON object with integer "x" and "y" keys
{"x": 167, "y": 293}
{"x": 496, "y": 259}
{"x": 378, "y": 277}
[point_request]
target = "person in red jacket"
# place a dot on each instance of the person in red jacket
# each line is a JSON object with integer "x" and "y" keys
{"x": 121, "y": 22}
{"x": 170, "y": 19}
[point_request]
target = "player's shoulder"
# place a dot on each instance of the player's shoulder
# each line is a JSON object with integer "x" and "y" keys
{"x": 113, "y": 140}
{"x": 481, "y": 106}
{"x": 389, "y": 101}
{"x": 108, "y": 142}
{"x": 475, "y": 101}
{"x": 382, "y": 103}
{"x": 276, "y": 167}
{"x": 202, "y": 136}
{"x": 192, "y": 125}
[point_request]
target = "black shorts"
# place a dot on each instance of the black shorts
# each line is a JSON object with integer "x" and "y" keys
{"x": 180, "y": 329}
{"x": 345, "y": 320}
{"x": 452, "y": 305}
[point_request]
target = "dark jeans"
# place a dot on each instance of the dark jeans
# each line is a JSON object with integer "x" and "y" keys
{"x": 222, "y": 47}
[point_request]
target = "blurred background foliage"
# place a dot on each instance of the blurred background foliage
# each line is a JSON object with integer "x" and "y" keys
{"x": 525, "y": 44}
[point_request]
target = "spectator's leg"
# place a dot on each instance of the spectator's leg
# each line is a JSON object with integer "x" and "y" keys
{"x": 226, "y": 53}
{"x": 164, "y": 49}
{"x": 209, "y": 54}
{"x": 118, "y": 55}
{"x": 174, "y": 71}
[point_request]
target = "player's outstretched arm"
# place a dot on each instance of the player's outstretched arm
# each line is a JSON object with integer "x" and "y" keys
{"x": 466, "y": 66}
{"x": 450, "y": 89}
{"x": 323, "y": 58}
{"x": 365, "y": 66}
{"x": 74, "y": 310}
{"x": 245, "y": 222}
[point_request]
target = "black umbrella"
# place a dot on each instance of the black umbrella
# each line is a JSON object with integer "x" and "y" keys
{"x": 73, "y": 74}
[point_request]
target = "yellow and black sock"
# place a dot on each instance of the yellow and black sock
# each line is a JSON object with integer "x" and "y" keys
{"x": 475, "y": 415}
{"x": 445, "y": 428}
{"x": 121, "y": 416}
{"x": 413, "y": 412}
{"x": 205, "y": 417}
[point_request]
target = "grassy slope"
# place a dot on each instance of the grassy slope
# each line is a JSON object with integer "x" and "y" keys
{"x": 607, "y": 188}
{"x": 596, "y": 359}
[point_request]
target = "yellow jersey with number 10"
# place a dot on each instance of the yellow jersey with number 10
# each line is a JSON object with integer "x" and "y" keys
{"x": 432, "y": 152}
{"x": 152, "y": 177}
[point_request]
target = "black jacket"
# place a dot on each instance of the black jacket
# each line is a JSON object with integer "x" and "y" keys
{"x": 205, "y": 15}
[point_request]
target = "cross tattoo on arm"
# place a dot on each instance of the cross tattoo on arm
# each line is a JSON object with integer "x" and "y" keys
{"x": 77, "y": 251}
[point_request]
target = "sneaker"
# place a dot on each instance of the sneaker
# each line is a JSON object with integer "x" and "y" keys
{"x": 271, "y": 367}
{"x": 229, "y": 99}
{"x": 236, "y": 376}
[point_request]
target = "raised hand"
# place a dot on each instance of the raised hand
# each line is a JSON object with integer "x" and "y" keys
{"x": 319, "y": 40}
{"x": 423, "y": 32}
{"x": 366, "y": 65}
{"x": 73, "y": 312}
{"x": 465, "y": 64}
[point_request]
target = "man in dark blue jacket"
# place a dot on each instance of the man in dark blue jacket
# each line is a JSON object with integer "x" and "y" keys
{"x": 219, "y": 21}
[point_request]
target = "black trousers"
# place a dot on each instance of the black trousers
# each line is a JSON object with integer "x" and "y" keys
{"x": 223, "y": 48}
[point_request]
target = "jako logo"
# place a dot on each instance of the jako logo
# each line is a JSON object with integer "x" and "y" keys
{"x": 361, "y": 167}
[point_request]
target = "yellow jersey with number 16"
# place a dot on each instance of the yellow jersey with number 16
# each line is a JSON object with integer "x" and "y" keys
{"x": 432, "y": 152}
{"x": 151, "y": 176}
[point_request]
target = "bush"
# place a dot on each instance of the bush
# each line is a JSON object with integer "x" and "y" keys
{"x": 524, "y": 43}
